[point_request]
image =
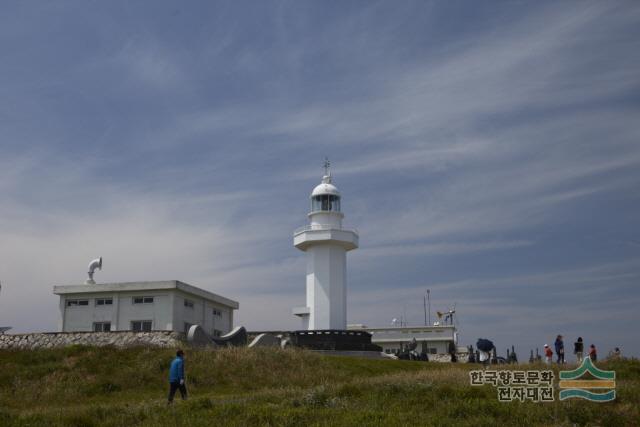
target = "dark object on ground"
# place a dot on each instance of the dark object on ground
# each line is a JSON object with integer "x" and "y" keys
{"x": 333, "y": 339}
{"x": 409, "y": 352}
{"x": 512, "y": 357}
{"x": 236, "y": 338}
{"x": 472, "y": 355}
{"x": 413, "y": 355}
{"x": 484, "y": 345}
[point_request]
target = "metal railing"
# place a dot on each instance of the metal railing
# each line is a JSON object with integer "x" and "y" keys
{"x": 320, "y": 227}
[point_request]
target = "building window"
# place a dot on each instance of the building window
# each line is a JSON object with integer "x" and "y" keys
{"x": 104, "y": 301}
{"x": 101, "y": 326}
{"x": 187, "y": 326}
{"x": 217, "y": 312}
{"x": 216, "y": 333}
{"x": 188, "y": 303}
{"x": 75, "y": 302}
{"x": 143, "y": 300}
{"x": 141, "y": 325}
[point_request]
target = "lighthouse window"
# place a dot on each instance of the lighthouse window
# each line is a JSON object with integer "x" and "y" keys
{"x": 325, "y": 202}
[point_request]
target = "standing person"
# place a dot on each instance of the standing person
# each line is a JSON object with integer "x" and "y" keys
{"x": 593, "y": 354}
{"x": 548, "y": 354}
{"x": 559, "y": 344}
{"x": 176, "y": 377}
{"x": 578, "y": 349}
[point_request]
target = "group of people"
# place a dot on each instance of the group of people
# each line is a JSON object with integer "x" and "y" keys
{"x": 578, "y": 350}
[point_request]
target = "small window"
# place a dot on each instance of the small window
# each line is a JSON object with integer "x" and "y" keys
{"x": 104, "y": 301}
{"x": 102, "y": 327}
{"x": 143, "y": 300}
{"x": 141, "y": 325}
{"x": 188, "y": 303}
{"x": 187, "y": 326}
{"x": 217, "y": 312}
{"x": 75, "y": 302}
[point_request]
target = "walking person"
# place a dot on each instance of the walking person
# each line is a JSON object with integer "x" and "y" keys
{"x": 548, "y": 354}
{"x": 176, "y": 377}
{"x": 559, "y": 344}
{"x": 593, "y": 354}
{"x": 578, "y": 349}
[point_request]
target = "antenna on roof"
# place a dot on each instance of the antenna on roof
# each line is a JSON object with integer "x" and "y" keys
{"x": 3, "y": 329}
{"x": 327, "y": 166}
{"x": 96, "y": 263}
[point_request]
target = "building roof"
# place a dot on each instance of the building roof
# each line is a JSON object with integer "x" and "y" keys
{"x": 325, "y": 187}
{"x": 419, "y": 328}
{"x": 144, "y": 286}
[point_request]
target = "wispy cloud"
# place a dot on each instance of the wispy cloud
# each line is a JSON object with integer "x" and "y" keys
{"x": 492, "y": 156}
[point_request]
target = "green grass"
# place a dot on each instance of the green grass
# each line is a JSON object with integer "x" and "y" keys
{"x": 85, "y": 386}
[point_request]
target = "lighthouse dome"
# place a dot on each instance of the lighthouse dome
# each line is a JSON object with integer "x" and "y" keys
{"x": 325, "y": 187}
{"x": 325, "y": 197}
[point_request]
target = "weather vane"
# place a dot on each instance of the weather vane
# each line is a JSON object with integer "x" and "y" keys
{"x": 327, "y": 164}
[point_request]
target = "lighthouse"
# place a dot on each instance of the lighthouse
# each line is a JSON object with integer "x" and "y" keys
{"x": 326, "y": 245}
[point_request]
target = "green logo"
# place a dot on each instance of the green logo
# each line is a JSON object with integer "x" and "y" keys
{"x": 573, "y": 387}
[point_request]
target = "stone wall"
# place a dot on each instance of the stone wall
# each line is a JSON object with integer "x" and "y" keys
{"x": 97, "y": 339}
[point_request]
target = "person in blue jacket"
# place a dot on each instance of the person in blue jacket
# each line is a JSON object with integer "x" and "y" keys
{"x": 176, "y": 377}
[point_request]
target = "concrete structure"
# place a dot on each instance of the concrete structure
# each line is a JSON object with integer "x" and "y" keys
{"x": 431, "y": 339}
{"x": 143, "y": 306}
{"x": 95, "y": 339}
{"x": 326, "y": 244}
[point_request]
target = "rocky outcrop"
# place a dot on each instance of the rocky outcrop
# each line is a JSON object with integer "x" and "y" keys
{"x": 97, "y": 339}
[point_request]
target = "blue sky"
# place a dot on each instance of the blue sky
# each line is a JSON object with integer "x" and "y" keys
{"x": 487, "y": 151}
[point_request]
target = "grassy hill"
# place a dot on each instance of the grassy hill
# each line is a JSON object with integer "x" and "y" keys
{"x": 83, "y": 386}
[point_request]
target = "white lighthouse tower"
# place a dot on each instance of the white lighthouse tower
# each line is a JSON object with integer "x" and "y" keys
{"x": 326, "y": 244}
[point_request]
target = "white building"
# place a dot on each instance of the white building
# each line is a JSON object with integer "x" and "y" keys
{"x": 430, "y": 339}
{"x": 326, "y": 244}
{"x": 143, "y": 306}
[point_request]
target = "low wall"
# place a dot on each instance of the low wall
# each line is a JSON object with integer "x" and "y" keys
{"x": 97, "y": 339}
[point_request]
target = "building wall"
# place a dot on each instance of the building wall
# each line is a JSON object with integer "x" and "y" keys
{"x": 81, "y": 318}
{"x": 440, "y": 347}
{"x": 202, "y": 314}
{"x": 98, "y": 339}
{"x": 167, "y": 312}
{"x": 429, "y": 338}
{"x": 159, "y": 312}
